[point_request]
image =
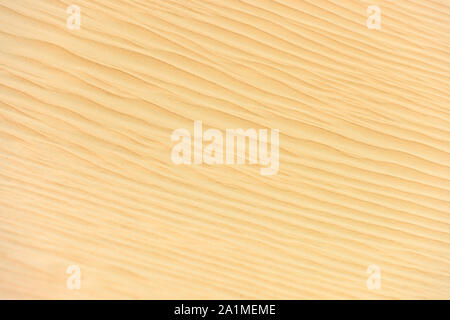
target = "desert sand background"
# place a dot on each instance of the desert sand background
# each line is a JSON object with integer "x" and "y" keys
{"x": 86, "y": 176}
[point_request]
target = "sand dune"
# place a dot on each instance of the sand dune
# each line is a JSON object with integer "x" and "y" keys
{"x": 87, "y": 179}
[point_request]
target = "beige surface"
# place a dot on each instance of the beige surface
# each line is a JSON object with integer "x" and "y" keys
{"x": 85, "y": 170}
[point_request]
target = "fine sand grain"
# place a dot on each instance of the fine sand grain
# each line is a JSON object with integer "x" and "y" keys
{"x": 86, "y": 176}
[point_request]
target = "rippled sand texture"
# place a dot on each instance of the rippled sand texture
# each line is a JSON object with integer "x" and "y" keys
{"x": 86, "y": 176}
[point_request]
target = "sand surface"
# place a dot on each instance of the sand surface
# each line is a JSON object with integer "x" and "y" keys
{"x": 86, "y": 176}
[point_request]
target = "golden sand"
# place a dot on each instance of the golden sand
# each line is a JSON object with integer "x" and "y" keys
{"x": 86, "y": 176}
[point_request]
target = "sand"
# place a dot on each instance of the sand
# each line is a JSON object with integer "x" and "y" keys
{"x": 87, "y": 179}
